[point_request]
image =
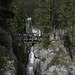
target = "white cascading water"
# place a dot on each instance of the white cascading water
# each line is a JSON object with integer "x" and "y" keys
{"x": 31, "y": 63}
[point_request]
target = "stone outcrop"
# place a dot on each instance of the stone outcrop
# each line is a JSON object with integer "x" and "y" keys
{"x": 46, "y": 60}
{"x": 7, "y": 57}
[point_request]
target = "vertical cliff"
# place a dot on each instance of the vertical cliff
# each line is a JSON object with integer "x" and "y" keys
{"x": 8, "y": 61}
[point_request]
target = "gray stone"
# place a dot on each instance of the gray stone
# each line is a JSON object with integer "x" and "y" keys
{"x": 10, "y": 72}
{"x": 49, "y": 54}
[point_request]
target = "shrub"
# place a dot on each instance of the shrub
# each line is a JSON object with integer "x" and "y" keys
{"x": 54, "y": 61}
{"x": 2, "y": 32}
{"x": 46, "y": 42}
{"x": 3, "y": 63}
{"x": 43, "y": 59}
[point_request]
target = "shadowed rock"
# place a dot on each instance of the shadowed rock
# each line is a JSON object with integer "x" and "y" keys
{"x": 7, "y": 41}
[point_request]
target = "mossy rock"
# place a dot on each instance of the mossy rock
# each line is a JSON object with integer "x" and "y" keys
{"x": 2, "y": 33}
{"x": 3, "y": 58}
{"x": 43, "y": 59}
{"x": 3, "y": 51}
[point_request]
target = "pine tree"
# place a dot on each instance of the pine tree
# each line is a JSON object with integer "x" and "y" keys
{"x": 20, "y": 16}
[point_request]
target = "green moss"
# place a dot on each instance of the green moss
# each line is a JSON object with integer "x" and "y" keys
{"x": 2, "y": 51}
{"x": 46, "y": 42}
{"x": 40, "y": 46}
{"x": 71, "y": 69}
{"x": 3, "y": 63}
{"x": 3, "y": 58}
{"x": 2, "y": 32}
{"x": 43, "y": 59}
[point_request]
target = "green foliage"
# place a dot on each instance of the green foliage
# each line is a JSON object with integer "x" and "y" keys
{"x": 43, "y": 59}
{"x": 5, "y": 14}
{"x": 42, "y": 16}
{"x": 2, "y": 32}
{"x": 51, "y": 14}
{"x": 46, "y": 42}
{"x": 18, "y": 25}
{"x": 13, "y": 20}
{"x": 3, "y": 58}
{"x": 68, "y": 44}
{"x": 30, "y": 6}
{"x": 66, "y": 13}
{"x": 2, "y": 52}
{"x": 20, "y": 16}
{"x": 54, "y": 51}
{"x": 3, "y": 63}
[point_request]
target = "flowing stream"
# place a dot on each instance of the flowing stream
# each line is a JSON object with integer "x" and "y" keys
{"x": 33, "y": 67}
{"x": 30, "y": 65}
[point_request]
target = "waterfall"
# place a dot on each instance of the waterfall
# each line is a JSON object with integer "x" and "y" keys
{"x": 31, "y": 63}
